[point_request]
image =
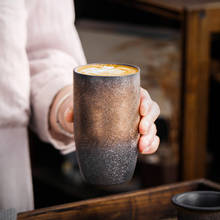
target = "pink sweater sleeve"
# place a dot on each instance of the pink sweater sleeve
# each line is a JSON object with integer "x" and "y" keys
{"x": 53, "y": 49}
{"x": 14, "y": 71}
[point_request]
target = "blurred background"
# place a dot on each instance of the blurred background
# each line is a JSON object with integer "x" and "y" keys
{"x": 157, "y": 40}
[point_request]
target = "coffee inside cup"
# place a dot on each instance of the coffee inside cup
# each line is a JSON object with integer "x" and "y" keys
{"x": 107, "y": 70}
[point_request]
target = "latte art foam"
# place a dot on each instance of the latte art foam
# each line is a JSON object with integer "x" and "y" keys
{"x": 107, "y": 70}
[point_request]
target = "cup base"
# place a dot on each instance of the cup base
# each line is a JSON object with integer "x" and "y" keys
{"x": 107, "y": 167}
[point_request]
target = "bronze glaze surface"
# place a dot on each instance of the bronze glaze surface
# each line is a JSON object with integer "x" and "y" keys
{"x": 106, "y": 118}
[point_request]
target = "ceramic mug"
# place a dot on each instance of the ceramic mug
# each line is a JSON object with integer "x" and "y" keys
{"x": 106, "y": 118}
{"x": 202, "y": 205}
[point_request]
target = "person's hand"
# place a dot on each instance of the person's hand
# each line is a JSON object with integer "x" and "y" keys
{"x": 149, "y": 111}
{"x": 61, "y": 114}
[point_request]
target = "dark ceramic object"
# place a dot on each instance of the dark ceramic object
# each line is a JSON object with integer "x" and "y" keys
{"x": 106, "y": 117}
{"x": 202, "y": 205}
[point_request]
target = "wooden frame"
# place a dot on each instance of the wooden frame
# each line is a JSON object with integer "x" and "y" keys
{"x": 198, "y": 25}
{"x": 198, "y": 21}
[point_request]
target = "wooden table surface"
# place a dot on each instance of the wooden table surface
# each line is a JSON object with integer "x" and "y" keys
{"x": 153, "y": 203}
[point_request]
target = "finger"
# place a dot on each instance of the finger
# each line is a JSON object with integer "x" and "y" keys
{"x": 147, "y": 140}
{"x": 145, "y": 102}
{"x": 144, "y": 94}
{"x": 144, "y": 125}
{"x": 145, "y": 106}
{"x": 153, "y": 114}
{"x": 69, "y": 115}
{"x": 69, "y": 127}
{"x": 67, "y": 122}
{"x": 153, "y": 147}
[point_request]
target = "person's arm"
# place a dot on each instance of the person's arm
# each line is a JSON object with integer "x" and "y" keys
{"x": 14, "y": 69}
{"x": 53, "y": 51}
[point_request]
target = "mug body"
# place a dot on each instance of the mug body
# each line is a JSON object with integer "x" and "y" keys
{"x": 106, "y": 118}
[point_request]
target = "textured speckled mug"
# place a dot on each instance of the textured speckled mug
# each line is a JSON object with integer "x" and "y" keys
{"x": 106, "y": 118}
